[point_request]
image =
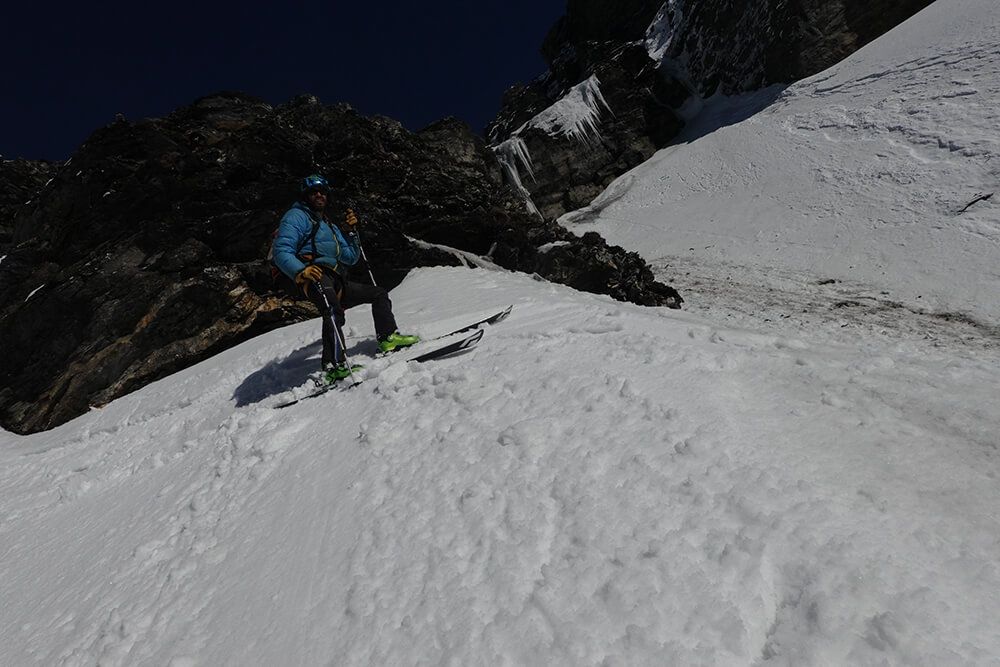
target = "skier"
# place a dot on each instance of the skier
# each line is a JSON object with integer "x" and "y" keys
{"x": 312, "y": 253}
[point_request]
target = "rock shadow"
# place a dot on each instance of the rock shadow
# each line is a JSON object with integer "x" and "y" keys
{"x": 724, "y": 110}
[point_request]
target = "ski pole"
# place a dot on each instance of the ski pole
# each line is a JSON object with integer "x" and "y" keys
{"x": 338, "y": 338}
{"x": 361, "y": 248}
{"x": 365, "y": 257}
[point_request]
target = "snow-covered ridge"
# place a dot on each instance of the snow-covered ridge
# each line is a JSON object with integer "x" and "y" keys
{"x": 864, "y": 173}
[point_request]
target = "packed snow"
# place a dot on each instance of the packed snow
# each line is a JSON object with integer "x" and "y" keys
{"x": 799, "y": 469}
{"x": 596, "y": 482}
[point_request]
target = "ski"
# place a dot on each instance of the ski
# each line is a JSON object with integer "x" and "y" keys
{"x": 492, "y": 319}
{"x": 318, "y": 392}
{"x": 451, "y": 349}
{"x": 458, "y": 346}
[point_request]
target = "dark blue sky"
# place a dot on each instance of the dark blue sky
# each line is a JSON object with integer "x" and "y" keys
{"x": 69, "y": 67}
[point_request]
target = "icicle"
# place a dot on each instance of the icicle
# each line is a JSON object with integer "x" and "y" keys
{"x": 515, "y": 152}
{"x": 576, "y": 115}
{"x": 512, "y": 155}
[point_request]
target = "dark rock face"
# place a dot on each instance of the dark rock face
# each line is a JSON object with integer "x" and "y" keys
{"x": 144, "y": 254}
{"x": 627, "y": 273}
{"x": 738, "y": 46}
{"x": 653, "y": 61}
{"x": 19, "y": 181}
{"x": 634, "y": 114}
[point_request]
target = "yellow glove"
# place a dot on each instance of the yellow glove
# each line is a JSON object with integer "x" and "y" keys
{"x": 351, "y": 219}
{"x": 308, "y": 276}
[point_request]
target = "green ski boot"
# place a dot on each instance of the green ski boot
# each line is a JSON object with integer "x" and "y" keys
{"x": 395, "y": 341}
{"x": 335, "y": 372}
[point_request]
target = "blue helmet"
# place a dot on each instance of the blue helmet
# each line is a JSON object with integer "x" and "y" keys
{"x": 314, "y": 182}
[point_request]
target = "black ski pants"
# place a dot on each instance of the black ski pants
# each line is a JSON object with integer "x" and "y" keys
{"x": 342, "y": 294}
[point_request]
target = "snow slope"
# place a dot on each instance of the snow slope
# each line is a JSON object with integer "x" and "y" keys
{"x": 859, "y": 174}
{"x": 661, "y": 491}
{"x": 794, "y": 471}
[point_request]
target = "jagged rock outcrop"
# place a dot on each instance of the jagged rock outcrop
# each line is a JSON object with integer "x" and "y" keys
{"x": 736, "y": 46}
{"x": 144, "y": 253}
{"x": 623, "y": 76}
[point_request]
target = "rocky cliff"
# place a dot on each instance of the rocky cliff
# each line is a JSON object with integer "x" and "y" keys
{"x": 624, "y": 76}
{"x": 144, "y": 253}
{"x": 19, "y": 181}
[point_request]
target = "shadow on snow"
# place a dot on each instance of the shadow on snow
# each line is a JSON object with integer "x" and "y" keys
{"x": 281, "y": 375}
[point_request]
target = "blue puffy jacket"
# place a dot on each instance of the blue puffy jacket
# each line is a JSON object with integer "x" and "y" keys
{"x": 292, "y": 246}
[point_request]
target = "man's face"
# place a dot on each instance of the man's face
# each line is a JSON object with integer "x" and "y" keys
{"x": 317, "y": 200}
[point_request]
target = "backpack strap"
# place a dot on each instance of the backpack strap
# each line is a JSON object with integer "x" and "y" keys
{"x": 310, "y": 238}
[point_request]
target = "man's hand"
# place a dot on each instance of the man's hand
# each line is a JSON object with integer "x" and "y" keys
{"x": 351, "y": 220}
{"x": 307, "y": 277}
